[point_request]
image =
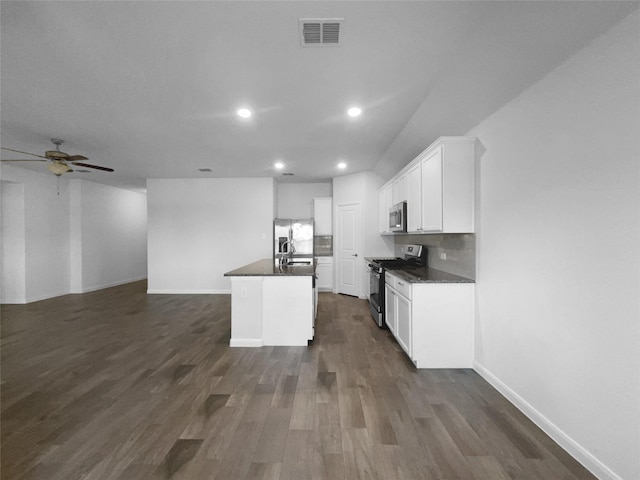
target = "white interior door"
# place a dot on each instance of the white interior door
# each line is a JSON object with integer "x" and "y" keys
{"x": 348, "y": 249}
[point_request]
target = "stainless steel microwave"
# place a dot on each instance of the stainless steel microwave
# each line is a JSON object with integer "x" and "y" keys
{"x": 398, "y": 217}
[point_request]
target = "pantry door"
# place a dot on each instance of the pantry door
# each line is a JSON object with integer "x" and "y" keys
{"x": 348, "y": 243}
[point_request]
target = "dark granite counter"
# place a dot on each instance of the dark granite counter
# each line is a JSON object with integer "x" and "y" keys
{"x": 427, "y": 275}
{"x": 269, "y": 268}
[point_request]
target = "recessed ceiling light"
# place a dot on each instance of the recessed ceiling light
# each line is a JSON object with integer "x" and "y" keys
{"x": 342, "y": 165}
{"x": 354, "y": 112}
{"x": 279, "y": 165}
{"x": 244, "y": 112}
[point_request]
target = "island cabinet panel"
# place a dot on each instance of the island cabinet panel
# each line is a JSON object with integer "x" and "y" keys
{"x": 287, "y": 310}
{"x": 272, "y": 304}
{"x": 246, "y": 310}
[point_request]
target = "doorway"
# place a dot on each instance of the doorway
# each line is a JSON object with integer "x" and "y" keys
{"x": 348, "y": 243}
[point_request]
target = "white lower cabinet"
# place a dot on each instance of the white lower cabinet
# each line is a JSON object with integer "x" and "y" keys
{"x": 390, "y": 308}
{"x": 324, "y": 272}
{"x": 403, "y": 332}
{"x": 432, "y": 322}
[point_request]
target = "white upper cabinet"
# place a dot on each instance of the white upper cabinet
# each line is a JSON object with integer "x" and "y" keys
{"x": 414, "y": 199}
{"x": 448, "y": 181}
{"x": 399, "y": 192}
{"x": 431, "y": 220}
{"x": 322, "y": 208}
{"x": 438, "y": 187}
{"x": 385, "y": 201}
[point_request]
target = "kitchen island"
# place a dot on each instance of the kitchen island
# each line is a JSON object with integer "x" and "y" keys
{"x": 272, "y": 304}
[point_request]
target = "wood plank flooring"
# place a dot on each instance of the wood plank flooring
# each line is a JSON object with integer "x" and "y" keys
{"x": 118, "y": 384}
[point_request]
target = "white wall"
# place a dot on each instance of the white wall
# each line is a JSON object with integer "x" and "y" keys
{"x": 76, "y": 235}
{"x": 558, "y": 320}
{"x": 46, "y": 232}
{"x": 13, "y": 248}
{"x": 295, "y": 200}
{"x": 198, "y": 229}
{"x": 112, "y": 232}
{"x": 362, "y": 188}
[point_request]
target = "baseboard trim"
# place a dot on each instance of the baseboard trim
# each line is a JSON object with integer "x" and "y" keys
{"x": 111, "y": 284}
{"x": 13, "y": 301}
{"x": 246, "y": 342}
{"x": 572, "y": 447}
{"x": 169, "y": 291}
{"x": 46, "y": 296}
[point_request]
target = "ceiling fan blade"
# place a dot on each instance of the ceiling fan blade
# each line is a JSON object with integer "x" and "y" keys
{"x": 23, "y": 160}
{"x": 104, "y": 169}
{"x": 76, "y": 158}
{"x": 26, "y": 153}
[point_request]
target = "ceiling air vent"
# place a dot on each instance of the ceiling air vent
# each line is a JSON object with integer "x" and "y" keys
{"x": 320, "y": 32}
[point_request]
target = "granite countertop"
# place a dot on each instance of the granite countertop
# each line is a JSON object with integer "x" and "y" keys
{"x": 268, "y": 267}
{"x": 427, "y": 275}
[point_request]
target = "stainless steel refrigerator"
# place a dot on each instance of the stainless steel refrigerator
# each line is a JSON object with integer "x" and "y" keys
{"x": 296, "y": 233}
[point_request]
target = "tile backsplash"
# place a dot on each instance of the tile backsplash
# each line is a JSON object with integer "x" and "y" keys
{"x": 459, "y": 249}
{"x": 323, "y": 245}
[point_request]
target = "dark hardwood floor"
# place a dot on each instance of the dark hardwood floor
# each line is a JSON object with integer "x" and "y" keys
{"x": 117, "y": 384}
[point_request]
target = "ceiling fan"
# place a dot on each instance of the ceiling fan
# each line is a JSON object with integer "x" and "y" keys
{"x": 59, "y": 161}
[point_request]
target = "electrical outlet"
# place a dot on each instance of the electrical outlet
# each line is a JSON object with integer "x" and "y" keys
{"x": 443, "y": 256}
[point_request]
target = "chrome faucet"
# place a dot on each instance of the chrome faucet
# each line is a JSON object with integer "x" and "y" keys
{"x": 290, "y": 251}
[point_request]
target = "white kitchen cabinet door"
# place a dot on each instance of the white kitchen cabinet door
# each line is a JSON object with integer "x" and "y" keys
{"x": 414, "y": 199}
{"x": 390, "y": 308}
{"x": 384, "y": 204}
{"x": 403, "y": 323}
{"x": 399, "y": 190}
{"x": 322, "y": 215}
{"x": 448, "y": 187}
{"x": 442, "y": 325}
{"x": 324, "y": 272}
{"x": 432, "y": 192}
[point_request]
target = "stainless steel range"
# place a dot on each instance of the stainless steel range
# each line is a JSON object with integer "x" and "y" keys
{"x": 415, "y": 256}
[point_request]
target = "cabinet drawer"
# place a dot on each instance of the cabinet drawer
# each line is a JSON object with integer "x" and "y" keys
{"x": 390, "y": 280}
{"x": 403, "y": 288}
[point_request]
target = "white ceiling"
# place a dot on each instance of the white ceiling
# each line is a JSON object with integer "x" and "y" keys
{"x": 151, "y": 88}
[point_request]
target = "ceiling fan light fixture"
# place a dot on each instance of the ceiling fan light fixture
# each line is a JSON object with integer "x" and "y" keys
{"x": 55, "y": 154}
{"x": 58, "y": 168}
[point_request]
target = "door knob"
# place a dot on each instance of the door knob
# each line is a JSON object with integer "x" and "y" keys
{"x": 354, "y": 254}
